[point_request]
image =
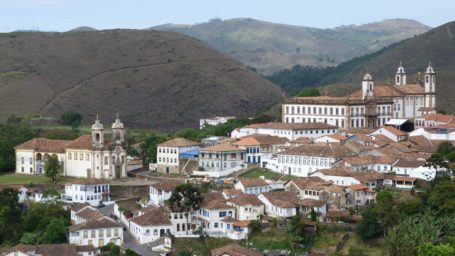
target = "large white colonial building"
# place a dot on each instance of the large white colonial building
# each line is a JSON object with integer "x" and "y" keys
{"x": 370, "y": 107}
{"x": 89, "y": 156}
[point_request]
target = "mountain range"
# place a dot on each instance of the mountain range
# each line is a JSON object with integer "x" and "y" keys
{"x": 269, "y": 47}
{"x": 154, "y": 79}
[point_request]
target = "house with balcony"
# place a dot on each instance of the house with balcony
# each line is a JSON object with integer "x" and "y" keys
{"x": 93, "y": 192}
{"x": 96, "y": 233}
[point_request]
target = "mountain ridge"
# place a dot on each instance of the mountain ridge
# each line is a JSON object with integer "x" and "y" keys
{"x": 270, "y": 47}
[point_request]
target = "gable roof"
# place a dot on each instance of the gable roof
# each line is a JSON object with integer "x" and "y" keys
{"x": 284, "y": 199}
{"x": 166, "y": 184}
{"x": 178, "y": 142}
{"x": 95, "y": 224}
{"x": 245, "y": 199}
{"x": 79, "y": 206}
{"x": 222, "y": 147}
{"x": 322, "y": 150}
{"x": 234, "y": 250}
{"x": 152, "y": 216}
{"x": 90, "y": 214}
{"x": 253, "y": 182}
{"x": 395, "y": 131}
{"x": 44, "y": 145}
{"x": 260, "y": 139}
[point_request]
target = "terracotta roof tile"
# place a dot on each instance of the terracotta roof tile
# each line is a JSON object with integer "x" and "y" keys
{"x": 395, "y": 131}
{"x": 234, "y": 250}
{"x": 221, "y": 147}
{"x": 365, "y": 160}
{"x": 292, "y": 126}
{"x": 90, "y": 214}
{"x": 153, "y": 216}
{"x": 245, "y": 199}
{"x": 259, "y": 139}
{"x": 178, "y": 142}
{"x": 253, "y": 182}
{"x": 45, "y": 145}
{"x": 167, "y": 184}
{"x": 95, "y": 224}
{"x": 319, "y": 150}
{"x": 284, "y": 199}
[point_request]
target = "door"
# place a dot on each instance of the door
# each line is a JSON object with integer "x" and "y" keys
{"x": 101, "y": 242}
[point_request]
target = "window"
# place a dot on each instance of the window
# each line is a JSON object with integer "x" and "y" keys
{"x": 85, "y": 234}
{"x": 93, "y": 234}
{"x": 116, "y": 232}
{"x": 22, "y": 160}
{"x": 81, "y": 156}
{"x": 75, "y": 156}
{"x": 106, "y": 160}
{"x": 87, "y": 157}
{"x": 69, "y": 155}
{"x": 233, "y": 156}
{"x": 101, "y": 233}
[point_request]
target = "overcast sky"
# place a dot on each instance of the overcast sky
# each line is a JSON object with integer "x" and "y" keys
{"x": 62, "y": 15}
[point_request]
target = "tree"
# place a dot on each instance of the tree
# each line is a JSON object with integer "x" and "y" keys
{"x": 445, "y": 148}
{"x": 11, "y": 135}
{"x": 386, "y": 213}
{"x": 52, "y": 167}
{"x": 10, "y": 216}
{"x": 369, "y": 227}
{"x": 442, "y": 197}
{"x": 314, "y": 217}
{"x": 129, "y": 252}
{"x": 255, "y": 227}
{"x": 147, "y": 149}
{"x": 185, "y": 198}
{"x": 309, "y": 92}
{"x": 29, "y": 238}
{"x": 55, "y": 232}
{"x": 71, "y": 118}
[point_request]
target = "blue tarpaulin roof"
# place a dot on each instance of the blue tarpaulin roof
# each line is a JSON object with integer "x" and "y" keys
{"x": 190, "y": 153}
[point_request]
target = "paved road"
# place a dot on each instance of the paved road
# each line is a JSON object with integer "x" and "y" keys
{"x": 130, "y": 242}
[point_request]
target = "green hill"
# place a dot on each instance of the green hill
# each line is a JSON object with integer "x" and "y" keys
{"x": 436, "y": 45}
{"x": 153, "y": 79}
{"x": 270, "y": 47}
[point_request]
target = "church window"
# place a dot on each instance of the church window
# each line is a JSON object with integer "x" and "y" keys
{"x": 427, "y": 79}
{"x": 398, "y": 79}
{"x": 106, "y": 160}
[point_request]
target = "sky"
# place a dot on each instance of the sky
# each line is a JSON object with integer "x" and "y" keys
{"x": 63, "y": 15}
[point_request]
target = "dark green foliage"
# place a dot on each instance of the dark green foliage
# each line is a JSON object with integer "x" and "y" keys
{"x": 369, "y": 227}
{"x": 385, "y": 209}
{"x": 110, "y": 249}
{"x": 71, "y": 118}
{"x": 52, "y": 167}
{"x": 442, "y": 197}
{"x": 445, "y": 148}
{"x": 309, "y": 92}
{"x": 55, "y": 232}
{"x": 147, "y": 149}
{"x": 129, "y": 252}
{"x": 10, "y": 217}
{"x": 299, "y": 77}
{"x": 255, "y": 227}
{"x": 11, "y": 135}
{"x": 314, "y": 217}
{"x": 429, "y": 249}
{"x": 29, "y": 238}
{"x": 185, "y": 253}
{"x": 59, "y": 134}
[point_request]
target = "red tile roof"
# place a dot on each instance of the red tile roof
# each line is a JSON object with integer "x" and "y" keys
{"x": 45, "y": 145}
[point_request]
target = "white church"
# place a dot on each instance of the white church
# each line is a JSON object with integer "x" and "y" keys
{"x": 370, "y": 107}
{"x": 89, "y": 156}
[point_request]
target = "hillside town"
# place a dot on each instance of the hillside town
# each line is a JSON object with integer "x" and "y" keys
{"x": 325, "y": 162}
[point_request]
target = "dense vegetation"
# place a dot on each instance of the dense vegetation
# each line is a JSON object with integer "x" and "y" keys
{"x": 39, "y": 223}
{"x": 436, "y": 45}
{"x": 416, "y": 224}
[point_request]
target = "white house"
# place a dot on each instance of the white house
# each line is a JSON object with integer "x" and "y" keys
{"x": 257, "y": 146}
{"x": 169, "y": 154}
{"x": 338, "y": 175}
{"x": 254, "y": 186}
{"x": 247, "y": 207}
{"x": 280, "y": 203}
{"x": 441, "y": 132}
{"x": 370, "y": 162}
{"x": 96, "y": 232}
{"x": 302, "y": 160}
{"x": 290, "y": 131}
{"x": 220, "y": 160}
{"x": 434, "y": 120}
{"x": 214, "y": 121}
{"x": 360, "y": 195}
{"x": 162, "y": 191}
{"x": 89, "y": 156}
{"x": 152, "y": 224}
{"x": 400, "y": 182}
{"x": 93, "y": 192}
{"x": 391, "y": 133}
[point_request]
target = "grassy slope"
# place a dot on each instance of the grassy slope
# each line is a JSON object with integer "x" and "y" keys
{"x": 20, "y": 179}
{"x": 270, "y": 46}
{"x": 153, "y": 79}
